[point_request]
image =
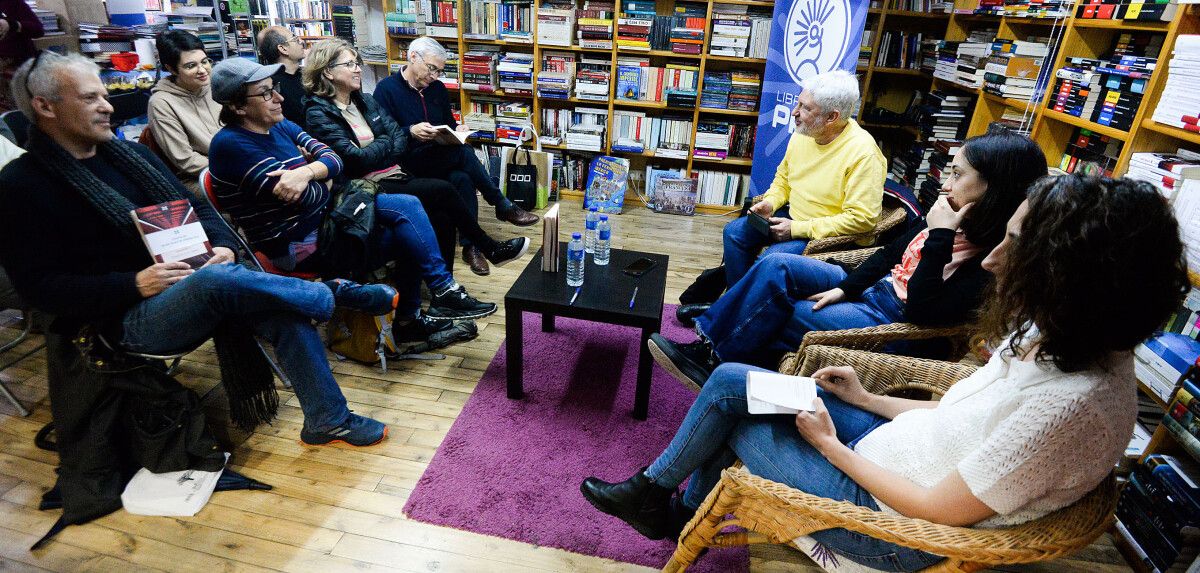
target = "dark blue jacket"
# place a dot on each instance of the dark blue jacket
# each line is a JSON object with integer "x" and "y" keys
{"x": 408, "y": 106}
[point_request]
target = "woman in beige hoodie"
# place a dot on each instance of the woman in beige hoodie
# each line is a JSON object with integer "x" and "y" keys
{"x": 183, "y": 115}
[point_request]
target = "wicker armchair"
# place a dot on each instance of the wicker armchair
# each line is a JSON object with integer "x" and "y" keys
{"x": 890, "y": 217}
{"x": 772, "y": 512}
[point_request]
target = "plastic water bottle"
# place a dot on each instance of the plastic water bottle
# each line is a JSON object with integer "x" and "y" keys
{"x": 589, "y": 237}
{"x": 575, "y": 256}
{"x": 603, "y": 241}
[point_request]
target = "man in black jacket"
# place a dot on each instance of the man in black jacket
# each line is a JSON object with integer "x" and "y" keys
{"x": 418, "y": 101}
{"x": 69, "y": 244}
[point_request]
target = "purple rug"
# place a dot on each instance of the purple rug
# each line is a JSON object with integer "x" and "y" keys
{"x": 512, "y": 468}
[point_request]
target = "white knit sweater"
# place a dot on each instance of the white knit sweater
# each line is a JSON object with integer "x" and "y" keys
{"x": 1027, "y": 438}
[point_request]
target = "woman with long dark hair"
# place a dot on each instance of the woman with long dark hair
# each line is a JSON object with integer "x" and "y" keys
{"x": 931, "y": 275}
{"x": 1086, "y": 270}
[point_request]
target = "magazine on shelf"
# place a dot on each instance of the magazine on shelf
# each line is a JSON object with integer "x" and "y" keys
{"x": 172, "y": 232}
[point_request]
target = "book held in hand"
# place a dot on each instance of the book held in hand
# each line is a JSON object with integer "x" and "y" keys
{"x": 447, "y": 136}
{"x": 172, "y": 232}
{"x": 774, "y": 393}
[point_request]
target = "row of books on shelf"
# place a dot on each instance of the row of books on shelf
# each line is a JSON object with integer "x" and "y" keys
{"x": 1179, "y": 104}
{"x": 1160, "y": 360}
{"x": 737, "y": 89}
{"x": 437, "y": 18}
{"x": 509, "y": 20}
{"x": 722, "y": 139}
{"x": 933, "y": 6}
{"x": 1168, "y": 172}
{"x": 1116, "y": 10}
{"x": 740, "y": 31}
{"x": 1018, "y": 8}
{"x": 634, "y": 132}
{"x": 303, "y": 9}
{"x": 310, "y": 28}
{"x": 1090, "y": 153}
{"x": 902, "y": 49}
{"x": 639, "y": 81}
{"x": 1159, "y": 509}
{"x": 1108, "y": 91}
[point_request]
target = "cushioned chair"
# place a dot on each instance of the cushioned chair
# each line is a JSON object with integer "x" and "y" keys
{"x": 772, "y": 512}
{"x": 891, "y": 217}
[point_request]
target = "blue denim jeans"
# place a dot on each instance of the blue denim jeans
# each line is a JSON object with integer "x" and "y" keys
{"x": 461, "y": 167}
{"x": 766, "y": 315}
{"x": 718, "y": 431}
{"x": 743, "y": 243}
{"x": 279, "y": 309}
{"x": 406, "y": 236}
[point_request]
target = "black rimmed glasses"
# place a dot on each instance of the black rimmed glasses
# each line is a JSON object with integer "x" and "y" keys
{"x": 267, "y": 94}
{"x": 356, "y": 63}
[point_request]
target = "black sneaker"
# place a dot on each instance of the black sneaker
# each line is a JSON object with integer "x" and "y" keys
{"x": 456, "y": 304}
{"x": 690, "y": 363}
{"x": 419, "y": 329}
{"x": 374, "y": 299}
{"x": 508, "y": 251}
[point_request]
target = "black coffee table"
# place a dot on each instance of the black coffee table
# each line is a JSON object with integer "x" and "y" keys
{"x": 604, "y": 298}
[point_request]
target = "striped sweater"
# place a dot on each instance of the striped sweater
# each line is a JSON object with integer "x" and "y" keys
{"x": 239, "y": 161}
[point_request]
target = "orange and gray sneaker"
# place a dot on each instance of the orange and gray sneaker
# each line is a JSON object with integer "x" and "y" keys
{"x": 356, "y": 431}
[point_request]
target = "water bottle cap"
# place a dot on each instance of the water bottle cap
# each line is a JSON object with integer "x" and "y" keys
{"x": 603, "y": 217}
{"x": 576, "y": 236}
{"x": 592, "y": 209}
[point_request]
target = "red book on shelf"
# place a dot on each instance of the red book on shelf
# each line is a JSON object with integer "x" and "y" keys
{"x": 172, "y": 232}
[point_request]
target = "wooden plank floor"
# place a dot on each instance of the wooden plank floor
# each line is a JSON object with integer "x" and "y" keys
{"x": 335, "y": 508}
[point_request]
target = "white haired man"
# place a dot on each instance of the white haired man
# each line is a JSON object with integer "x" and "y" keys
{"x": 418, "y": 101}
{"x": 830, "y": 179}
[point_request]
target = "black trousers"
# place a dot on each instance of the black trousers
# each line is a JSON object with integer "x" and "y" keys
{"x": 447, "y": 213}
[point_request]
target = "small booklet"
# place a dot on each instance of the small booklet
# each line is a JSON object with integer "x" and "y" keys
{"x": 174, "y": 494}
{"x": 774, "y": 393}
{"x": 447, "y": 136}
{"x": 550, "y": 246}
{"x": 172, "y": 232}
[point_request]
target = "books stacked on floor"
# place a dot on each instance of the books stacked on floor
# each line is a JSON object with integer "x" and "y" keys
{"x": 970, "y": 57}
{"x": 586, "y": 132}
{"x": 556, "y": 23}
{"x": 687, "y": 33}
{"x": 944, "y": 115}
{"x": 516, "y": 73}
{"x": 1154, "y": 11}
{"x": 721, "y": 188}
{"x": 479, "y": 68}
{"x": 100, "y": 42}
{"x": 1090, "y": 153}
{"x": 513, "y": 118}
{"x": 554, "y": 125}
{"x": 1158, "y": 509}
{"x": 440, "y": 17}
{"x": 594, "y": 27}
{"x": 592, "y": 77}
{"x": 404, "y": 20}
{"x": 343, "y": 23}
{"x": 900, "y": 50}
{"x": 744, "y": 90}
{"x": 481, "y": 19}
{"x": 557, "y": 77}
{"x": 1179, "y": 105}
{"x": 516, "y": 21}
{"x": 1166, "y": 171}
{"x": 635, "y": 24}
{"x": 1013, "y": 69}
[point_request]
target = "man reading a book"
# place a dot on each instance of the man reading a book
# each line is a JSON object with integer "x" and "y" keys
{"x": 69, "y": 243}
{"x": 829, "y": 183}
{"x": 419, "y": 103}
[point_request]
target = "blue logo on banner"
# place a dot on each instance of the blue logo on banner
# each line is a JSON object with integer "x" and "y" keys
{"x": 808, "y": 37}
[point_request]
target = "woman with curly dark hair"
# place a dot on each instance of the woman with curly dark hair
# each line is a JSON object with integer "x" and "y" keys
{"x": 930, "y": 275}
{"x": 1087, "y": 269}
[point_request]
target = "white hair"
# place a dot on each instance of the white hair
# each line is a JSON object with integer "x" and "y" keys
{"x": 426, "y": 47}
{"x": 45, "y": 79}
{"x": 835, "y": 90}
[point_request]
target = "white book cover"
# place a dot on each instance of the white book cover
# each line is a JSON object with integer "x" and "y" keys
{"x": 774, "y": 393}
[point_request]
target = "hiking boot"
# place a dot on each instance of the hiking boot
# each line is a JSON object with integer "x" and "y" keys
{"x": 509, "y": 251}
{"x": 419, "y": 329}
{"x": 454, "y": 303}
{"x": 641, "y": 503}
{"x": 374, "y": 299}
{"x": 356, "y": 431}
{"x": 517, "y": 216}
{"x": 690, "y": 363}
{"x": 475, "y": 259}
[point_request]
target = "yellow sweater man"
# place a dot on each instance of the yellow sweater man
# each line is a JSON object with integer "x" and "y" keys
{"x": 831, "y": 179}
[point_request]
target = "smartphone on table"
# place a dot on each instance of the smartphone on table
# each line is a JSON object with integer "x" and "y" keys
{"x": 639, "y": 267}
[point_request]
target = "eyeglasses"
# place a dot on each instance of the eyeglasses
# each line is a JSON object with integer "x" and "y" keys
{"x": 295, "y": 40}
{"x": 352, "y": 64}
{"x": 36, "y": 60}
{"x": 436, "y": 71}
{"x": 267, "y": 94}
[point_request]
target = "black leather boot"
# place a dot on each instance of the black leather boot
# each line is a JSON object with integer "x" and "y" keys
{"x": 637, "y": 501}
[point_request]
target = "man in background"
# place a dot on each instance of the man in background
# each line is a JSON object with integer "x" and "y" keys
{"x": 278, "y": 45}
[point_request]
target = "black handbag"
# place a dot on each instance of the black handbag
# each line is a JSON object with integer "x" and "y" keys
{"x": 343, "y": 241}
{"x": 521, "y": 181}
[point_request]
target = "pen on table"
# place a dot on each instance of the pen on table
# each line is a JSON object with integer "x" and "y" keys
{"x": 574, "y": 296}
{"x": 634, "y": 297}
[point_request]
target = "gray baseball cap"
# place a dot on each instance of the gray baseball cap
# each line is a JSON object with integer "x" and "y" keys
{"x": 231, "y": 73}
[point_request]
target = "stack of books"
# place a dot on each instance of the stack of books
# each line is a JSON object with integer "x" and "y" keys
{"x": 1076, "y": 90}
{"x": 1159, "y": 509}
{"x": 1179, "y": 105}
{"x": 513, "y": 118}
{"x": 405, "y": 19}
{"x": 717, "y": 86}
{"x": 441, "y": 18}
{"x": 587, "y": 129}
{"x": 730, "y": 31}
{"x": 1153, "y": 11}
{"x": 1013, "y": 69}
{"x": 1107, "y": 92}
{"x": 516, "y": 73}
{"x": 592, "y": 77}
{"x": 970, "y": 57}
{"x": 557, "y": 77}
{"x": 1090, "y": 153}
{"x": 635, "y": 25}
{"x": 343, "y": 22}
{"x": 555, "y": 123}
{"x": 48, "y": 18}
{"x": 687, "y": 32}
{"x": 909, "y": 167}
{"x": 449, "y": 76}
{"x": 721, "y": 188}
{"x": 595, "y": 25}
{"x": 479, "y": 69}
{"x": 1165, "y": 171}
{"x": 712, "y": 139}
{"x": 944, "y": 116}
{"x": 556, "y": 23}
{"x": 481, "y": 19}
{"x": 864, "y": 48}
{"x": 744, "y": 90}
{"x": 679, "y": 85}
{"x": 940, "y": 157}
{"x": 100, "y": 42}
{"x": 929, "y": 54}
{"x": 515, "y": 21}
